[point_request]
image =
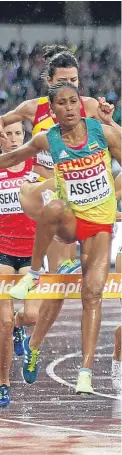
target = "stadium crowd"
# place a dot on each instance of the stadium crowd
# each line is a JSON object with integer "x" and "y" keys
{"x": 21, "y": 70}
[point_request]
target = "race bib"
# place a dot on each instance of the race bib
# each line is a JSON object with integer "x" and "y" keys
{"x": 120, "y": 249}
{"x": 9, "y": 195}
{"x": 44, "y": 159}
{"x": 32, "y": 177}
{"x": 86, "y": 186}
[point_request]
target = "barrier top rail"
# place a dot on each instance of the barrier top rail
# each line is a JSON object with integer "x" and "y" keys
{"x": 61, "y": 286}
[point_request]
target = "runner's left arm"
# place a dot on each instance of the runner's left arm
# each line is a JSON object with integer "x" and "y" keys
{"x": 113, "y": 139}
{"x": 31, "y": 148}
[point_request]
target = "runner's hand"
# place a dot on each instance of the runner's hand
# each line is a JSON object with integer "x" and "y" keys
{"x": 3, "y": 135}
{"x": 105, "y": 110}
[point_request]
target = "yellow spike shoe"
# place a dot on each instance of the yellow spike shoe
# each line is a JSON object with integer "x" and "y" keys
{"x": 84, "y": 383}
{"x": 21, "y": 289}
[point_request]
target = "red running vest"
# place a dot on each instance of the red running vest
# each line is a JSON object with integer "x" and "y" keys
{"x": 16, "y": 229}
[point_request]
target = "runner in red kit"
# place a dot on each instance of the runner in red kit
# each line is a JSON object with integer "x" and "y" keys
{"x": 16, "y": 243}
{"x": 11, "y": 225}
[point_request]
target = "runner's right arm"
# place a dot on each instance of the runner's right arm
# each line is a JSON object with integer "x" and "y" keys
{"x": 31, "y": 148}
{"x": 25, "y": 111}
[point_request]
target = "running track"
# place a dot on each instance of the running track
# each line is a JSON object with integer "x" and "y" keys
{"x": 48, "y": 418}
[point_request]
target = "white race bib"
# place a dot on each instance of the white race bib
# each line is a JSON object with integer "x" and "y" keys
{"x": 32, "y": 177}
{"x": 86, "y": 186}
{"x": 9, "y": 195}
{"x": 120, "y": 249}
{"x": 45, "y": 159}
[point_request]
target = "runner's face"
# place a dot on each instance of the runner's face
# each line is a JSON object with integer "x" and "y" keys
{"x": 15, "y": 137}
{"x": 65, "y": 75}
{"x": 66, "y": 106}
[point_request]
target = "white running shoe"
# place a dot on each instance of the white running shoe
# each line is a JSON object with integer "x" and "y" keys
{"x": 117, "y": 374}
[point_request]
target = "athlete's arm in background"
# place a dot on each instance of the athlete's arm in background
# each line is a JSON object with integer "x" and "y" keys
{"x": 113, "y": 139}
{"x": 118, "y": 191}
{"x": 118, "y": 186}
{"x": 115, "y": 126}
{"x": 31, "y": 148}
{"x": 25, "y": 111}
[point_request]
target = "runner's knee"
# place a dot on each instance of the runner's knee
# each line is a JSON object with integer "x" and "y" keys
{"x": 91, "y": 291}
{"x": 31, "y": 202}
{"x": 31, "y": 314}
{"x": 7, "y": 321}
{"x": 55, "y": 209}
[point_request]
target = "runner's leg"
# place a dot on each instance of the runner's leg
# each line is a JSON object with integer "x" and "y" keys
{"x": 29, "y": 315}
{"x": 31, "y": 199}
{"x": 32, "y": 204}
{"x": 6, "y": 332}
{"x": 95, "y": 271}
{"x": 117, "y": 353}
{"x": 49, "y": 309}
{"x": 48, "y": 313}
{"x": 95, "y": 259}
